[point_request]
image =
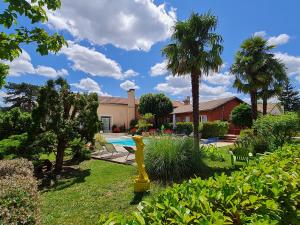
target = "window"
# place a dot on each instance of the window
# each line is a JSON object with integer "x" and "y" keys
{"x": 187, "y": 119}
{"x": 203, "y": 118}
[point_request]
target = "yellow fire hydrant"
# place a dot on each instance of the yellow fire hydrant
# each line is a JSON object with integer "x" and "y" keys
{"x": 141, "y": 182}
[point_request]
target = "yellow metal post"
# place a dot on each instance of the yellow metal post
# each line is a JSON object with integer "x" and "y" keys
{"x": 141, "y": 182}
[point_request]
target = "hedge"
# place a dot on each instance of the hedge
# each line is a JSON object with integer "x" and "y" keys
{"x": 267, "y": 191}
{"x": 18, "y": 193}
{"x": 215, "y": 129}
{"x": 184, "y": 128}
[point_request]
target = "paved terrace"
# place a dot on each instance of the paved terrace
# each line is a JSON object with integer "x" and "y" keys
{"x": 120, "y": 157}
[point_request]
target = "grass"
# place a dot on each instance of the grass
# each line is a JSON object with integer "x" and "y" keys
{"x": 81, "y": 195}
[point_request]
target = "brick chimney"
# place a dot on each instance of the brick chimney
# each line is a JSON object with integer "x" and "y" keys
{"x": 131, "y": 106}
{"x": 187, "y": 100}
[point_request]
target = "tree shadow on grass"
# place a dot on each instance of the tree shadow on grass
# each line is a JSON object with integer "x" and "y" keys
{"x": 70, "y": 175}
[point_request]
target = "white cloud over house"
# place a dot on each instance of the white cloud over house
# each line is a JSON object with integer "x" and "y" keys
{"x": 90, "y": 86}
{"x": 159, "y": 69}
{"x": 23, "y": 65}
{"x": 94, "y": 63}
{"x": 127, "y": 85}
{"x": 181, "y": 86}
{"x": 126, "y": 24}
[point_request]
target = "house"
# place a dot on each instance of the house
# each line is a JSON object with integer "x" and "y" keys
{"x": 120, "y": 111}
{"x": 218, "y": 109}
{"x": 272, "y": 108}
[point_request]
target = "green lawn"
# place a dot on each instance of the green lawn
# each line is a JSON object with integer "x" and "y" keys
{"x": 98, "y": 187}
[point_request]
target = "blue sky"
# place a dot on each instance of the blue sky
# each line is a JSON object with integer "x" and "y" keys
{"x": 116, "y": 45}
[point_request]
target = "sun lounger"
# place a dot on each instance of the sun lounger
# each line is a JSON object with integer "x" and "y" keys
{"x": 130, "y": 150}
{"x": 110, "y": 148}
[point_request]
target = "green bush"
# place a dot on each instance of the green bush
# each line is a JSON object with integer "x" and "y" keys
{"x": 241, "y": 115}
{"x": 79, "y": 150}
{"x": 14, "y": 122}
{"x": 211, "y": 152}
{"x": 264, "y": 192}
{"x": 15, "y": 144}
{"x": 184, "y": 128}
{"x": 18, "y": 193}
{"x": 276, "y": 130}
{"x": 215, "y": 129}
{"x": 171, "y": 159}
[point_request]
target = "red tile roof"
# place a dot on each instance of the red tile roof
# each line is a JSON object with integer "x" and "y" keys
{"x": 204, "y": 106}
{"x": 124, "y": 101}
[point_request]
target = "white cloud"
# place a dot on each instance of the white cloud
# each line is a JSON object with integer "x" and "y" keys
{"x": 125, "y": 24}
{"x": 291, "y": 62}
{"x": 279, "y": 40}
{"x": 22, "y": 65}
{"x": 89, "y": 85}
{"x": 159, "y": 69}
{"x": 2, "y": 95}
{"x": 126, "y": 85}
{"x": 93, "y": 62}
{"x": 260, "y": 33}
{"x": 220, "y": 79}
{"x": 181, "y": 86}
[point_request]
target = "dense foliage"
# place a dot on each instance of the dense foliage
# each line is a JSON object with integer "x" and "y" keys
{"x": 16, "y": 32}
{"x": 184, "y": 128}
{"x": 19, "y": 202}
{"x": 21, "y": 95}
{"x": 63, "y": 116}
{"x": 170, "y": 159}
{"x": 241, "y": 115}
{"x": 215, "y": 129}
{"x": 158, "y": 105}
{"x": 264, "y": 192}
{"x": 195, "y": 50}
{"x": 290, "y": 98}
{"x": 14, "y": 145}
{"x": 276, "y": 130}
{"x": 14, "y": 122}
{"x": 145, "y": 122}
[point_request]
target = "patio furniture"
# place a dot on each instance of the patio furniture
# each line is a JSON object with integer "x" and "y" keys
{"x": 240, "y": 157}
{"x": 210, "y": 140}
{"x": 110, "y": 148}
{"x": 130, "y": 150}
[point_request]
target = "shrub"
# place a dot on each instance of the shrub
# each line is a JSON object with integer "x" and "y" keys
{"x": 241, "y": 115}
{"x": 214, "y": 129}
{"x": 211, "y": 152}
{"x": 264, "y": 192}
{"x": 133, "y": 123}
{"x": 18, "y": 193}
{"x": 14, "y": 122}
{"x": 184, "y": 128}
{"x": 99, "y": 139}
{"x": 145, "y": 122}
{"x": 276, "y": 130}
{"x": 169, "y": 159}
{"x": 15, "y": 144}
{"x": 80, "y": 150}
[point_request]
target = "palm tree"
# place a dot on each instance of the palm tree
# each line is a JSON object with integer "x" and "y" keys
{"x": 249, "y": 68}
{"x": 274, "y": 80}
{"x": 196, "y": 50}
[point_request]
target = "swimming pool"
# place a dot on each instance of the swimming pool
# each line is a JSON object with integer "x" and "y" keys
{"x": 121, "y": 141}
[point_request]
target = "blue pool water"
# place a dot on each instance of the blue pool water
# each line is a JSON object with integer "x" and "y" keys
{"x": 121, "y": 141}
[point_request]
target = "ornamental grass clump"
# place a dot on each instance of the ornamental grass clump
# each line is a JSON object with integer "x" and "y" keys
{"x": 18, "y": 193}
{"x": 171, "y": 159}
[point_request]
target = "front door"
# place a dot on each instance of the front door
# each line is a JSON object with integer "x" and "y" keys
{"x": 106, "y": 123}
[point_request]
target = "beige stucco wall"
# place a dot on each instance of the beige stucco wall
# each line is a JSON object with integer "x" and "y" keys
{"x": 117, "y": 112}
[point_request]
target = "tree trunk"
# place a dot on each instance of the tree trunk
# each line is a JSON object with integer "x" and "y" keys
{"x": 195, "y": 93}
{"x": 265, "y": 105}
{"x": 253, "y": 96}
{"x": 60, "y": 155}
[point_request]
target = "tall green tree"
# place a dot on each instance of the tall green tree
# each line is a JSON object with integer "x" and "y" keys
{"x": 14, "y": 33}
{"x": 21, "y": 95}
{"x": 290, "y": 98}
{"x": 275, "y": 77}
{"x": 4, "y": 69}
{"x": 65, "y": 116}
{"x": 249, "y": 68}
{"x": 195, "y": 50}
{"x": 158, "y": 105}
